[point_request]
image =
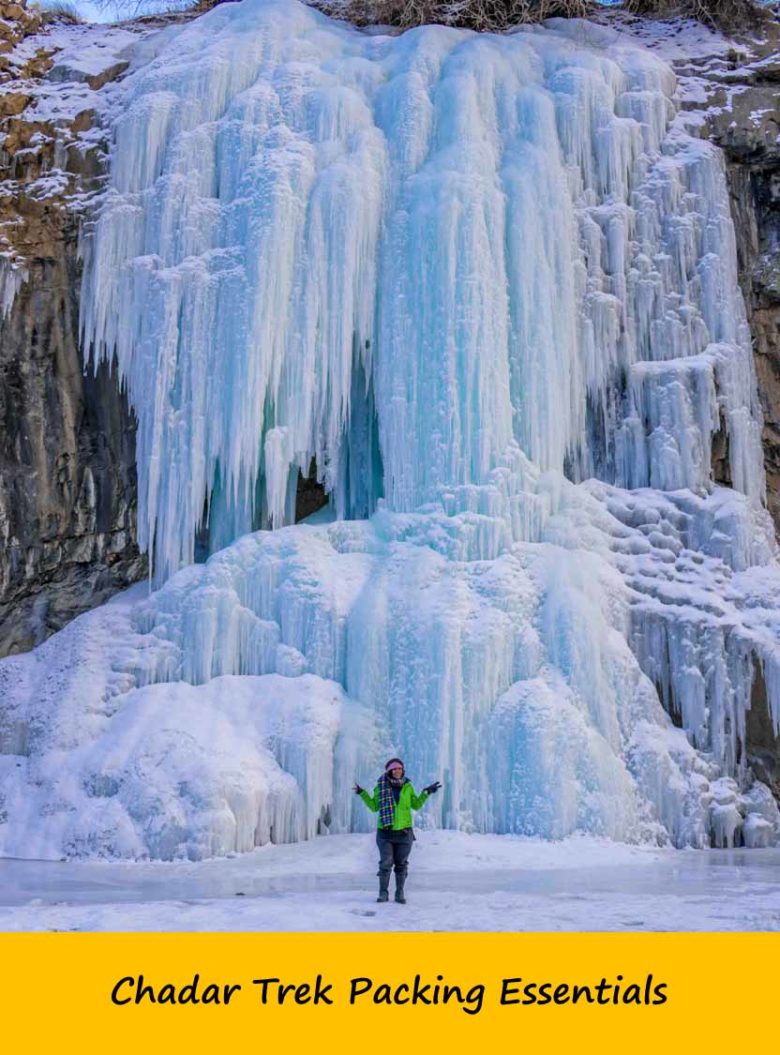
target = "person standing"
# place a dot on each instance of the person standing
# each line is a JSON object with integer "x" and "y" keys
{"x": 393, "y": 799}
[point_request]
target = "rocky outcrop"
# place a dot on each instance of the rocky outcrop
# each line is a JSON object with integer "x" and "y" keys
{"x": 67, "y": 437}
{"x": 749, "y": 133}
{"x": 742, "y": 111}
{"x": 735, "y": 94}
{"x": 753, "y": 152}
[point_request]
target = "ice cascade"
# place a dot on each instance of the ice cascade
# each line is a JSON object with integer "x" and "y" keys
{"x": 487, "y": 286}
{"x": 403, "y": 257}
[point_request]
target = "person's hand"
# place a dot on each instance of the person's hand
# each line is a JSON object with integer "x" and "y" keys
{"x": 433, "y": 788}
{"x": 357, "y": 788}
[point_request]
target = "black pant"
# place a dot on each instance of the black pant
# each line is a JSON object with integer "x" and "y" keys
{"x": 394, "y": 850}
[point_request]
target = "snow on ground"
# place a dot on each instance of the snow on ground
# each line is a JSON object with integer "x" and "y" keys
{"x": 456, "y": 882}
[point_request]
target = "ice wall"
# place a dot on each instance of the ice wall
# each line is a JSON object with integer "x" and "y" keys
{"x": 403, "y": 256}
{"x": 489, "y": 283}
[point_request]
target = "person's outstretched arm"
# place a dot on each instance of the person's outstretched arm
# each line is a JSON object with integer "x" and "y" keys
{"x": 419, "y": 800}
{"x": 372, "y": 801}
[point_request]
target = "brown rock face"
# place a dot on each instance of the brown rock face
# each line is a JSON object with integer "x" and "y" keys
{"x": 762, "y": 745}
{"x": 753, "y": 153}
{"x": 744, "y": 120}
{"x": 67, "y": 460}
{"x": 754, "y": 178}
{"x": 67, "y": 438}
{"x": 738, "y": 94}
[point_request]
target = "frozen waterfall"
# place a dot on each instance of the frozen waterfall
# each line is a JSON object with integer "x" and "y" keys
{"x": 489, "y": 284}
{"x": 406, "y": 257}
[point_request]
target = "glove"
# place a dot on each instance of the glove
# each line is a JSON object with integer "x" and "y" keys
{"x": 433, "y": 788}
{"x": 357, "y": 788}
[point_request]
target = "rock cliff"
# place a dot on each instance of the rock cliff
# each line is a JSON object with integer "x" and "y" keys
{"x": 748, "y": 130}
{"x": 67, "y": 441}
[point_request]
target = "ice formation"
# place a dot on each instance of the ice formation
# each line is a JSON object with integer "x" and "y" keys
{"x": 405, "y": 256}
{"x": 488, "y": 283}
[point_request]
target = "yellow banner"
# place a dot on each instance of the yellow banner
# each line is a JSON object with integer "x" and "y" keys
{"x": 362, "y": 992}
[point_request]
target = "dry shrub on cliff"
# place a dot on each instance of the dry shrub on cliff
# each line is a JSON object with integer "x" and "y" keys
{"x": 469, "y": 14}
{"x": 58, "y": 11}
{"x": 720, "y": 14}
{"x": 473, "y": 14}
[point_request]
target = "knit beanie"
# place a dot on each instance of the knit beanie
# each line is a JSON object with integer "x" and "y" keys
{"x": 393, "y": 762}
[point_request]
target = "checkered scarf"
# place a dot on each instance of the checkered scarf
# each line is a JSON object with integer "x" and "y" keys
{"x": 387, "y": 799}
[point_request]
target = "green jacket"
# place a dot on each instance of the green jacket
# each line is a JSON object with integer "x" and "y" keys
{"x": 408, "y": 800}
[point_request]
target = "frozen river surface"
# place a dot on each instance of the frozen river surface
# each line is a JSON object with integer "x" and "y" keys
{"x": 456, "y": 882}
